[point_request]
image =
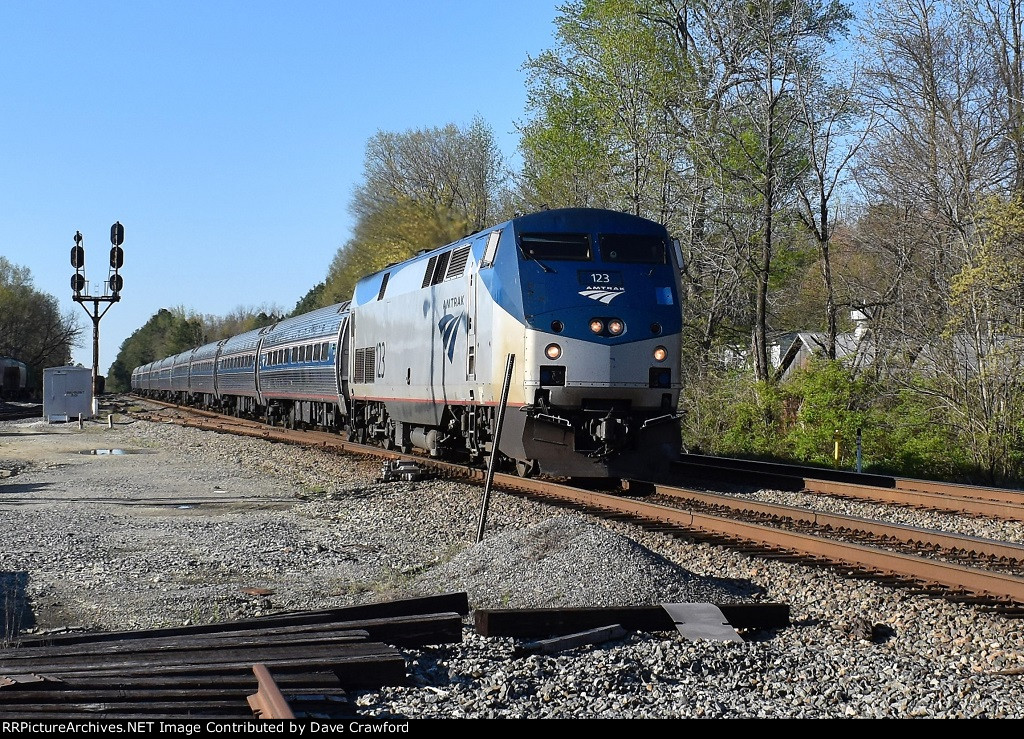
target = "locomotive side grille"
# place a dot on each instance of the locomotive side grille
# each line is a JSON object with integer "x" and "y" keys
{"x": 437, "y": 267}
{"x": 369, "y": 362}
{"x": 357, "y": 369}
{"x": 365, "y": 362}
{"x": 429, "y": 274}
{"x": 458, "y": 263}
{"x": 442, "y": 265}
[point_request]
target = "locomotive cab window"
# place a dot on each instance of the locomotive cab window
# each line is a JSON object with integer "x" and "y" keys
{"x": 632, "y": 248}
{"x": 569, "y": 247}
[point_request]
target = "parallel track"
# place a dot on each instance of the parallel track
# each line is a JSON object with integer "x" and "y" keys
{"x": 937, "y": 563}
{"x": 988, "y": 502}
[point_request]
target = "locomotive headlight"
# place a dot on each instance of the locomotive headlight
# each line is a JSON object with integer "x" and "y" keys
{"x": 660, "y": 353}
{"x": 552, "y": 351}
{"x": 616, "y": 327}
{"x": 596, "y": 325}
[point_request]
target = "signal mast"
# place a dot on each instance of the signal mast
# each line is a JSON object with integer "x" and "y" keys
{"x": 111, "y": 293}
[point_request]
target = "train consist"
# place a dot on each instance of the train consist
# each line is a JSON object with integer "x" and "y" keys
{"x": 585, "y": 301}
{"x": 13, "y": 379}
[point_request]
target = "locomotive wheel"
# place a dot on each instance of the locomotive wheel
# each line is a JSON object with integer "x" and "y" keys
{"x": 526, "y": 467}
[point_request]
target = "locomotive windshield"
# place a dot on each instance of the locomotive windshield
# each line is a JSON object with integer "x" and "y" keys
{"x": 632, "y": 248}
{"x": 573, "y": 247}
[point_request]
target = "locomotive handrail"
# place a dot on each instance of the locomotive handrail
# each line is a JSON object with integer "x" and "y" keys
{"x": 659, "y": 419}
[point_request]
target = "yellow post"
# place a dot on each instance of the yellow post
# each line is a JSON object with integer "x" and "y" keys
{"x": 836, "y": 437}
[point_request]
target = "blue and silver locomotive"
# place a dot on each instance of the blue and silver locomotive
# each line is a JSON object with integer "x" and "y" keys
{"x": 582, "y": 304}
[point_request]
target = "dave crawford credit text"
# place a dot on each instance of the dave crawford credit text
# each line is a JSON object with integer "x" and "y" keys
{"x": 298, "y": 728}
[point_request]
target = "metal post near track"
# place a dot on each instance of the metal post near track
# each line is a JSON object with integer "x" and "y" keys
{"x": 494, "y": 447}
{"x": 860, "y": 457}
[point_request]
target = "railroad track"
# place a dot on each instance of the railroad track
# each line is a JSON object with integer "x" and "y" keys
{"x": 984, "y": 501}
{"x": 20, "y": 411}
{"x": 948, "y": 565}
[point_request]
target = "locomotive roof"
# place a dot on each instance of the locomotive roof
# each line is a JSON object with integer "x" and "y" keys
{"x": 559, "y": 219}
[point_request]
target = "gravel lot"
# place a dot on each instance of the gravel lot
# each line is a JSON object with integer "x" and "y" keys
{"x": 147, "y": 525}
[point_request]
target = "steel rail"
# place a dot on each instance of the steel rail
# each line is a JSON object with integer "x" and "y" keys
{"x": 1007, "y": 510}
{"x": 971, "y": 545}
{"x": 966, "y": 491}
{"x": 268, "y": 702}
{"x": 841, "y": 481}
{"x": 986, "y": 584}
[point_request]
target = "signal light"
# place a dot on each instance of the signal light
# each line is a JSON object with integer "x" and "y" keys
{"x": 77, "y": 256}
{"x": 77, "y": 283}
{"x": 116, "y": 257}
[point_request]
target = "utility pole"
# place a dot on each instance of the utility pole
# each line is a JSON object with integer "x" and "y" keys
{"x": 111, "y": 294}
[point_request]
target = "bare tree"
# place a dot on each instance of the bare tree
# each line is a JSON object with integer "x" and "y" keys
{"x": 829, "y": 115}
{"x": 1002, "y": 23}
{"x": 762, "y": 149}
{"x": 938, "y": 174}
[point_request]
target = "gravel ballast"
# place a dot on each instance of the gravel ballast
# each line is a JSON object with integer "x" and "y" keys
{"x": 147, "y": 525}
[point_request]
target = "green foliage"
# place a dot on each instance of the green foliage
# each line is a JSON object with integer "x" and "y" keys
{"x": 32, "y": 328}
{"x": 828, "y": 402}
{"x": 563, "y": 154}
{"x": 391, "y": 234}
{"x": 909, "y": 435}
{"x": 170, "y": 332}
{"x": 422, "y": 189}
{"x": 754, "y": 427}
{"x": 902, "y": 431}
{"x": 311, "y": 300}
{"x": 601, "y": 132}
{"x": 727, "y": 413}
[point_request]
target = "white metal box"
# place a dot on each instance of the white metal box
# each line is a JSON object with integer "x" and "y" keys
{"x": 67, "y": 393}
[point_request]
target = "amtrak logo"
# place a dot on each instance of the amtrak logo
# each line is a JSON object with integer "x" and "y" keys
{"x": 602, "y": 294}
{"x": 448, "y": 327}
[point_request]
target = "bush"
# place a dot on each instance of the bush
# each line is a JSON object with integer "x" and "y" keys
{"x": 725, "y": 413}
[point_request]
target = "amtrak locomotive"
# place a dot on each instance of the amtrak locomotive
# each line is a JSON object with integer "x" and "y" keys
{"x": 586, "y": 301}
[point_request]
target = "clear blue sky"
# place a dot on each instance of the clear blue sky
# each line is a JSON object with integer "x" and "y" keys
{"x": 227, "y": 137}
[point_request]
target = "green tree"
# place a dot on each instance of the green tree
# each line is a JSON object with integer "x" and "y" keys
{"x": 978, "y": 375}
{"x": 32, "y": 328}
{"x": 172, "y": 331}
{"x": 602, "y": 132}
{"x": 421, "y": 189}
{"x": 310, "y": 301}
